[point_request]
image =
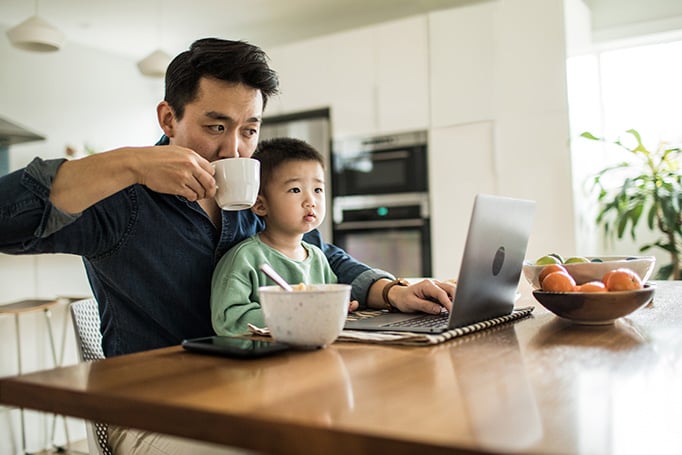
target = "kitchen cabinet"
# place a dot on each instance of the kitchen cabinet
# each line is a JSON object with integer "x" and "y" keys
{"x": 374, "y": 79}
{"x": 496, "y": 64}
{"x": 462, "y": 63}
{"x": 350, "y": 57}
{"x": 461, "y": 163}
{"x": 335, "y": 71}
{"x": 402, "y": 75}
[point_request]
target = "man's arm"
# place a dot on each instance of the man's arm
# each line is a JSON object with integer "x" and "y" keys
{"x": 79, "y": 184}
{"x": 429, "y": 296}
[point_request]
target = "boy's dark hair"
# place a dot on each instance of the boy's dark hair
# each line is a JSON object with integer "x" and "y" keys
{"x": 272, "y": 153}
{"x": 231, "y": 61}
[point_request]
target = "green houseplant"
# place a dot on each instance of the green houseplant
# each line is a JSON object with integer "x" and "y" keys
{"x": 651, "y": 191}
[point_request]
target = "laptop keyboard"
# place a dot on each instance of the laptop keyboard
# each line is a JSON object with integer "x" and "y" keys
{"x": 427, "y": 321}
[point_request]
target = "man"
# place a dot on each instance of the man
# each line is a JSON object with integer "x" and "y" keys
{"x": 145, "y": 221}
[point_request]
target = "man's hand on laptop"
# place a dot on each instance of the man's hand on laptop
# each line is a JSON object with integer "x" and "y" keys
{"x": 428, "y": 296}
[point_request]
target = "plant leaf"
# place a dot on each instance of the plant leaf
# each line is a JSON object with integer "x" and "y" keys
{"x": 651, "y": 189}
{"x": 636, "y": 135}
{"x": 588, "y": 135}
{"x": 664, "y": 272}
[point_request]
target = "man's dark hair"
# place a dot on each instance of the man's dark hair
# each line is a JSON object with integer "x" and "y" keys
{"x": 272, "y": 153}
{"x": 231, "y": 61}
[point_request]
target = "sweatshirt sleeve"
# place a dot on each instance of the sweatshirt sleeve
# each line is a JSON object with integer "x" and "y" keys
{"x": 234, "y": 293}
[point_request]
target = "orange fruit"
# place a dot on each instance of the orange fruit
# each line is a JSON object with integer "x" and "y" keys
{"x": 591, "y": 286}
{"x": 622, "y": 280}
{"x": 546, "y": 270}
{"x": 558, "y": 282}
{"x": 606, "y": 276}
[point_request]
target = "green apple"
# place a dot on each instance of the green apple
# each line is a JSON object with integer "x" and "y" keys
{"x": 576, "y": 260}
{"x": 547, "y": 260}
{"x": 558, "y": 256}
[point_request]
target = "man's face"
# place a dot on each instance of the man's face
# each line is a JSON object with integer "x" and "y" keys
{"x": 222, "y": 122}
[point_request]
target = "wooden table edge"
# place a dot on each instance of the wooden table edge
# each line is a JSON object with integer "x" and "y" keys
{"x": 285, "y": 437}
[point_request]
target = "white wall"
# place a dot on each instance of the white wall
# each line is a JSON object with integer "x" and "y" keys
{"x": 74, "y": 97}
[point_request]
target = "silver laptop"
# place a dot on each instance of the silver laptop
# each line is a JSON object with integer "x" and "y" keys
{"x": 489, "y": 275}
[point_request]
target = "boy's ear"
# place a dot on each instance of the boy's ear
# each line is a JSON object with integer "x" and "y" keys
{"x": 259, "y": 208}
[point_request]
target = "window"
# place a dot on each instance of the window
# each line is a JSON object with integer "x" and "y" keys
{"x": 609, "y": 92}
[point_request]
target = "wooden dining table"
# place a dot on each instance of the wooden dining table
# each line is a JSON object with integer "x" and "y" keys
{"x": 540, "y": 385}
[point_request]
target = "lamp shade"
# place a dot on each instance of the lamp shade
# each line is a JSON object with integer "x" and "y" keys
{"x": 154, "y": 65}
{"x": 35, "y": 34}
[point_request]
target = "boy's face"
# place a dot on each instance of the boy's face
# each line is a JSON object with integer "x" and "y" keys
{"x": 293, "y": 202}
{"x": 222, "y": 122}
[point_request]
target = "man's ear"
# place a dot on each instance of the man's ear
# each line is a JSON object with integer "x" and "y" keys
{"x": 260, "y": 207}
{"x": 166, "y": 118}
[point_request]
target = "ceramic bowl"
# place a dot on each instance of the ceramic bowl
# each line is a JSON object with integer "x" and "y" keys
{"x": 582, "y": 272}
{"x": 309, "y": 318}
{"x": 595, "y": 308}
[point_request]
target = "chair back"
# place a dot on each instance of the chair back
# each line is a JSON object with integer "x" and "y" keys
{"x": 86, "y": 324}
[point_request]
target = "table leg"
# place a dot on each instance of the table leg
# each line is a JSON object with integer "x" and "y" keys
{"x": 19, "y": 371}
{"x": 57, "y": 363}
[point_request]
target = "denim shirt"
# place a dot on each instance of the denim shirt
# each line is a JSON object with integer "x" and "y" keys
{"x": 148, "y": 256}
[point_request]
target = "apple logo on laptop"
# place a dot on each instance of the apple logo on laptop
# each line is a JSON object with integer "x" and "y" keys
{"x": 498, "y": 261}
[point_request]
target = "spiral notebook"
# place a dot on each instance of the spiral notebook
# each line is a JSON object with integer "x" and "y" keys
{"x": 489, "y": 275}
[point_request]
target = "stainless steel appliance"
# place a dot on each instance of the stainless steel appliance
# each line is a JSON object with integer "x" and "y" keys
{"x": 391, "y": 232}
{"x": 381, "y": 202}
{"x": 380, "y": 165}
{"x": 313, "y": 127}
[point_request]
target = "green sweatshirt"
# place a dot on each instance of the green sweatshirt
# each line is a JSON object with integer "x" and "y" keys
{"x": 237, "y": 277}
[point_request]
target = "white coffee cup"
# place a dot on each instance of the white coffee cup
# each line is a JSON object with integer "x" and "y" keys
{"x": 237, "y": 180}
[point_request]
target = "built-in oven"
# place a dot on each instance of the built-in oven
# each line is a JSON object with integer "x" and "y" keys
{"x": 385, "y": 164}
{"x": 386, "y": 231}
{"x": 381, "y": 201}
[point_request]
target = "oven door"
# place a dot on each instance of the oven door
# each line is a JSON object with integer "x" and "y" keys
{"x": 391, "y": 237}
{"x": 387, "y": 165}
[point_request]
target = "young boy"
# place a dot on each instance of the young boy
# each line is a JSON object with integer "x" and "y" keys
{"x": 291, "y": 202}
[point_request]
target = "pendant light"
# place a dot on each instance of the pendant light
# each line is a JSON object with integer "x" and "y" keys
{"x": 154, "y": 64}
{"x": 36, "y": 34}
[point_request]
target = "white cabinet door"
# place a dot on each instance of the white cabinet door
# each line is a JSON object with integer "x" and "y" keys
{"x": 462, "y": 163}
{"x": 336, "y": 71}
{"x": 402, "y": 73}
{"x": 374, "y": 79}
{"x": 305, "y": 76}
{"x": 350, "y": 58}
{"x": 462, "y": 43}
